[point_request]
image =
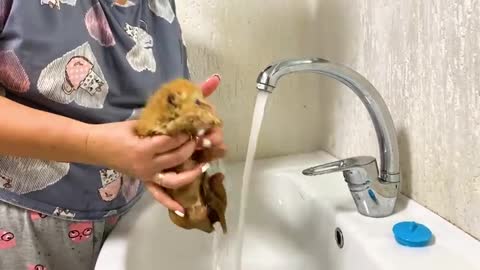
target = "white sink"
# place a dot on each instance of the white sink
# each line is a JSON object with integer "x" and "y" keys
{"x": 291, "y": 222}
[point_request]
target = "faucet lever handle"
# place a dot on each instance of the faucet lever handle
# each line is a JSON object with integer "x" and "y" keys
{"x": 356, "y": 170}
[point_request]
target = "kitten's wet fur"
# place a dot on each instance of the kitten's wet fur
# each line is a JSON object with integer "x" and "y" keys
{"x": 179, "y": 107}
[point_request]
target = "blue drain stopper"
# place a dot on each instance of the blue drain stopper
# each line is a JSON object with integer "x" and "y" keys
{"x": 412, "y": 234}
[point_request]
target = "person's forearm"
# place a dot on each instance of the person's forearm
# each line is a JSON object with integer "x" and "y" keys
{"x": 27, "y": 132}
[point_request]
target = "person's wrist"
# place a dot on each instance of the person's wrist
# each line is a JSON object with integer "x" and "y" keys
{"x": 111, "y": 145}
{"x": 97, "y": 146}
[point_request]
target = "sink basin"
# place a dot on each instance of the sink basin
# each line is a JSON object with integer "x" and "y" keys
{"x": 292, "y": 222}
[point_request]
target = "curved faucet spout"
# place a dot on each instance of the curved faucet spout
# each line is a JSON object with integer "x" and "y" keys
{"x": 379, "y": 113}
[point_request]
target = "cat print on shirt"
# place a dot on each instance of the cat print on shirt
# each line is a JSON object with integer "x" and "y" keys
{"x": 36, "y": 267}
{"x": 62, "y": 212}
{"x": 7, "y": 240}
{"x": 51, "y": 3}
{"x": 79, "y": 74}
{"x": 80, "y": 232}
{"x": 74, "y": 77}
{"x": 12, "y": 74}
{"x": 112, "y": 220}
{"x": 56, "y": 3}
{"x": 34, "y": 216}
{"x": 163, "y": 9}
{"x": 110, "y": 213}
{"x": 130, "y": 188}
{"x": 4, "y": 12}
{"x": 111, "y": 184}
{"x": 5, "y": 182}
{"x": 24, "y": 175}
{"x": 98, "y": 26}
{"x": 125, "y": 5}
{"x": 140, "y": 57}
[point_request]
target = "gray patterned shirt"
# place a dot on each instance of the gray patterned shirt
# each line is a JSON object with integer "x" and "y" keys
{"x": 96, "y": 61}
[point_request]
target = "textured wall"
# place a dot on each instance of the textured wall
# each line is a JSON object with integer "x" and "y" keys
{"x": 240, "y": 38}
{"x": 423, "y": 57}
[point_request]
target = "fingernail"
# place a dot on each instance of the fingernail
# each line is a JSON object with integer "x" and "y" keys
{"x": 201, "y": 132}
{"x": 180, "y": 214}
{"x": 218, "y": 76}
{"x": 205, "y": 167}
{"x": 206, "y": 143}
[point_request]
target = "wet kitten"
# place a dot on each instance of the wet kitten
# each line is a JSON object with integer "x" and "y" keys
{"x": 179, "y": 107}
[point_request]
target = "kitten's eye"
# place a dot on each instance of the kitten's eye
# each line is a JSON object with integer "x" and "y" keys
{"x": 73, "y": 234}
{"x": 171, "y": 99}
{"x": 7, "y": 236}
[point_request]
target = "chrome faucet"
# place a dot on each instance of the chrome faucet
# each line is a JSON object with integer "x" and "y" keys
{"x": 374, "y": 192}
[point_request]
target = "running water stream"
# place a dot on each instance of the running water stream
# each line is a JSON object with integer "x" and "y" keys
{"x": 220, "y": 249}
{"x": 258, "y": 114}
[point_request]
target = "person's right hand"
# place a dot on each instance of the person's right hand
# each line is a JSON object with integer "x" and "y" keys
{"x": 116, "y": 146}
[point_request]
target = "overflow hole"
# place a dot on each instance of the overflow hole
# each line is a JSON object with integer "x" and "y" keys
{"x": 339, "y": 237}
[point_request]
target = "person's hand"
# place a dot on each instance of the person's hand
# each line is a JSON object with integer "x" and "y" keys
{"x": 146, "y": 158}
{"x": 117, "y": 146}
{"x": 212, "y": 142}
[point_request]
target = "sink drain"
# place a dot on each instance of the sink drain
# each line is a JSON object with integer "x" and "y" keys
{"x": 339, "y": 237}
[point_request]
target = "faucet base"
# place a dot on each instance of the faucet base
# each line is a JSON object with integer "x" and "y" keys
{"x": 373, "y": 196}
{"x": 372, "y": 204}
